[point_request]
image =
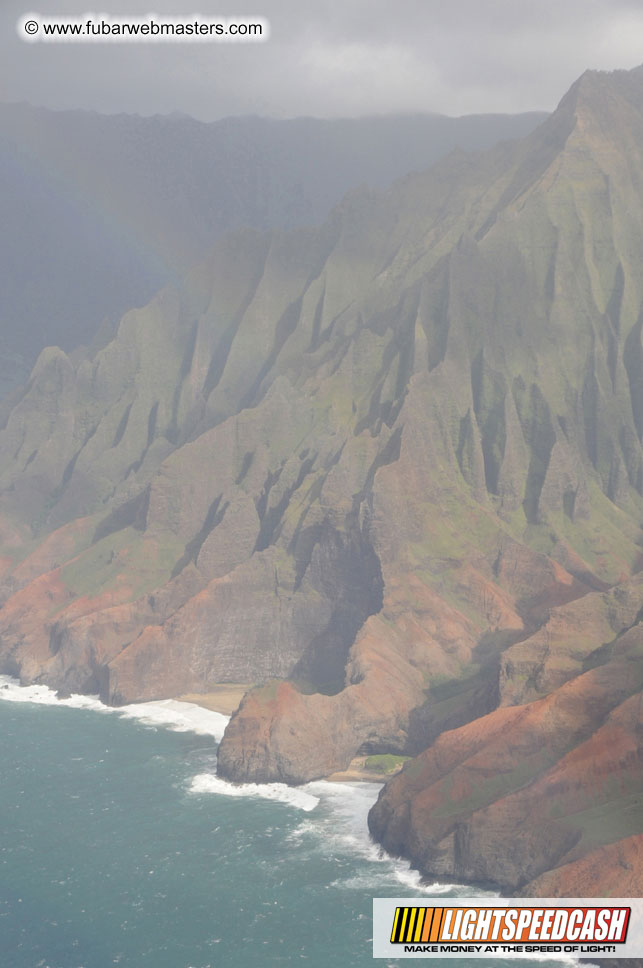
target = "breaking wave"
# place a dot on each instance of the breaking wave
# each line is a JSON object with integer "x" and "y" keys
{"x": 340, "y": 810}
{"x": 293, "y": 796}
{"x": 178, "y": 716}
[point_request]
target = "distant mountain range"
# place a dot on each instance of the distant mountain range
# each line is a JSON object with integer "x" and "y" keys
{"x": 390, "y": 469}
{"x": 99, "y": 212}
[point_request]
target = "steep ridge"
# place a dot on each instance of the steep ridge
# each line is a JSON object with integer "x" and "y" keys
{"x": 561, "y": 792}
{"x": 524, "y": 446}
{"x": 389, "y": 469}
{"x": 101, "y": 211}
{"x": 544, "y": 794}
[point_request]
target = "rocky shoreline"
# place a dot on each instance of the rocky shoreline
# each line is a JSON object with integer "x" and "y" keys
{"x": 225, "y": 698}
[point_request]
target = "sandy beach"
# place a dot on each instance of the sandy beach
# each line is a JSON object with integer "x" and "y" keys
{"x": 223, "y": 698}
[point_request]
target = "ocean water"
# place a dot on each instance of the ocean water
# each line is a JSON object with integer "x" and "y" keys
{"x": 120, "y": 846}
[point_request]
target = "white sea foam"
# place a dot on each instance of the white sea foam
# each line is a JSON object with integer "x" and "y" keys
{"x": 293, "y": 796}
{"x": 348, "y": 805}
{"x": 345, "y": 827}
{"x": 12, "y": 691}
{"x": 178, "y": 716}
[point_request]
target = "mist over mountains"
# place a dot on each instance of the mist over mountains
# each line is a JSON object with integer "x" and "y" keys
{"x": 390, "y": 468}
{"x": 101, "y": 211}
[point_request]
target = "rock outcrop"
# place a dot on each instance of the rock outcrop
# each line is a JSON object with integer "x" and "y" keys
{"x": 563, "y": 774}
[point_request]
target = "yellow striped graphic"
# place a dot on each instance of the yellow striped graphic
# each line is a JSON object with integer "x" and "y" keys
{"x": 395, "y": 920}
{"x": 411, "y": 924}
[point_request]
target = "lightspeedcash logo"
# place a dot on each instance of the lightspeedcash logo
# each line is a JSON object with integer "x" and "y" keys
{"x": 457, "y": 925}
{"x": 490, "y": 927}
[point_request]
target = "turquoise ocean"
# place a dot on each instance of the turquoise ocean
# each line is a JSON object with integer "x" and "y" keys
{"x": 120, "y": 846}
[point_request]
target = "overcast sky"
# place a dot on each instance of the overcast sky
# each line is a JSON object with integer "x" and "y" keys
{"x": 329, "y": 58}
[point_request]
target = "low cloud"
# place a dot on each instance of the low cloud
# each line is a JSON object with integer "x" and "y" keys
{"x": 358, "y": 57}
